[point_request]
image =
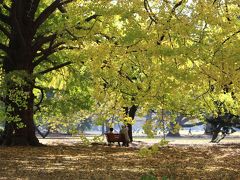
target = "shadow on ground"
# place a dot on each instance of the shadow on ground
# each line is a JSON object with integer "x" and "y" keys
{"x": 104, "y": 162}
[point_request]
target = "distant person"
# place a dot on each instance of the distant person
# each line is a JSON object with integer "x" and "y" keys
{"x": 124, "y": 132}
{"x": 190, "y": 132}
{"x": 110, "y": 127}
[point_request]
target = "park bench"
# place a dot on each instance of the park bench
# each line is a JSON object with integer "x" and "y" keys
{"x": 112, "y": 137}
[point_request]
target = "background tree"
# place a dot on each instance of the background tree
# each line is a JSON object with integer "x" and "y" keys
{"x": 172, "y": 50}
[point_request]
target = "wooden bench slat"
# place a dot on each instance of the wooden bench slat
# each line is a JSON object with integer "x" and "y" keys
{"x": 112, "y": 137}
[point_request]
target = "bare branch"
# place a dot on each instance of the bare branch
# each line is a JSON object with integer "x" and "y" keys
{"x": 41, "y": 40}
{"x": 55, "y": 67}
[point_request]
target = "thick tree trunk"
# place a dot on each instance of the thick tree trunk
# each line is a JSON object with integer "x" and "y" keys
{"x": 208, "y": 129}
{"x": 173, "y": 132}
{"x": 20, "y": 128}
{"x": 18, "y": 67}
{"x": 25, "y": 49}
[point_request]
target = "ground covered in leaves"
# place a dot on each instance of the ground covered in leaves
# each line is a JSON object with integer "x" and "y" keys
{"x": 113, "y": 163}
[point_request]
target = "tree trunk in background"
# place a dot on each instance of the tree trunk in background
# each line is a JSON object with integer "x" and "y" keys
{"x": 173, "y": 132}
{"x": 131, "y": 113}
{"x": 208, "y": 129}
{"x": 103, "y": 128}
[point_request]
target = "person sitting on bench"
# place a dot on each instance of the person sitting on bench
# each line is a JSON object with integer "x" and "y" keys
{"x": 111, "y": 130}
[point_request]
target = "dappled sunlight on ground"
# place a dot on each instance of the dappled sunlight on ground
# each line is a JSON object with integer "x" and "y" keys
{"x": 177, "y": 161}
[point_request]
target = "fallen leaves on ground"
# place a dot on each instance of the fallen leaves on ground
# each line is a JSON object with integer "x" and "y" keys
{"x": 113, "y": 163}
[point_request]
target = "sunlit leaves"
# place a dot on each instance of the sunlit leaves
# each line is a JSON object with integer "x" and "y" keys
{"x": 163, "y": 57}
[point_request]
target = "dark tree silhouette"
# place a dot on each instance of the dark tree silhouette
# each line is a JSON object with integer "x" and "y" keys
{"x": 223, "y": 124}
{"x": 131, "y": 112}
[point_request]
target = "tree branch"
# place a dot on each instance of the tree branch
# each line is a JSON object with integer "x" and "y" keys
{"x": 149, "y": 11}
{"x": 227, "y": 39}
{"x": 41, "y": 59}
{"x": 126, "y": 93}
{"x": 214, "y": 1}
{"x": 176, "y": 6}
{"x": 168, "y": 21}
{"x": 50, "y": 48}
{"x": 34, "y": 7}
{"x": 41, "y": 98}
{"x": 74, "y": 37}
{"x": 41, "y": 40}
{"x": 124, "y": 75}
{"x": 55, "y": 68}
{"x": 92, "y": 17}
{"x": 48, "y": 11}
{"x": 46, "y": 53}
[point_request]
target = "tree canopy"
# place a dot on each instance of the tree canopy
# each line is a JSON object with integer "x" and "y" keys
{"x": 97, "y": 57}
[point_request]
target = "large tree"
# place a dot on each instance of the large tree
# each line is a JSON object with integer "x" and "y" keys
{"x": 24, "y": 46}
{"x": 174, "y": 55}
{"x": 169, "y": 54}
